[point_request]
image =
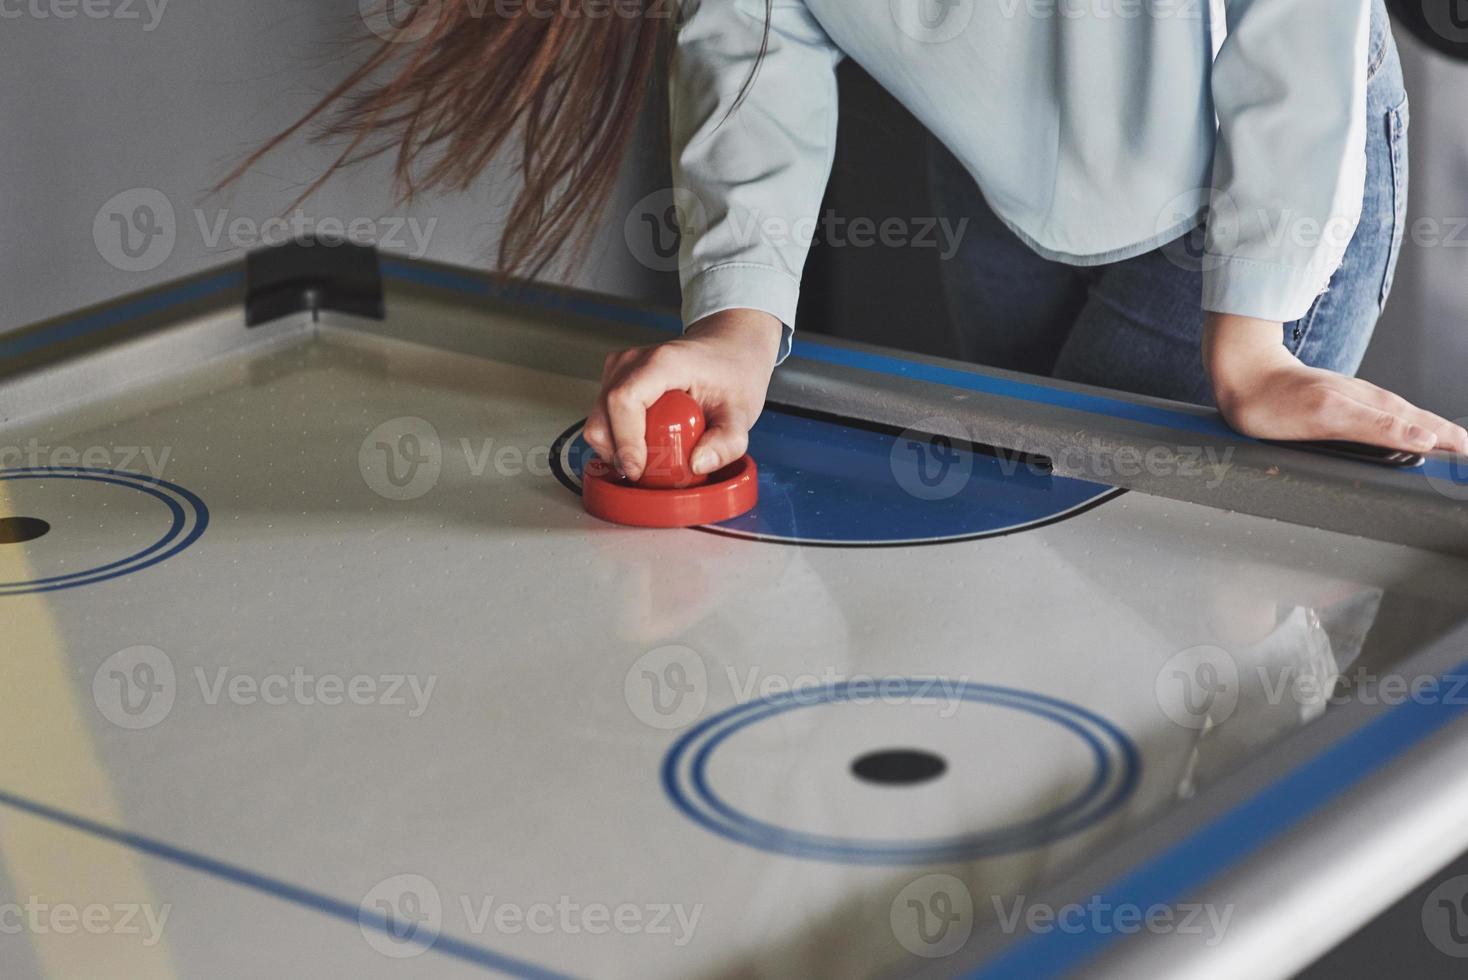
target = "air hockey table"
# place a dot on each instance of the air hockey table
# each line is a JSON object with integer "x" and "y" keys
{"x": 313, "y": 664}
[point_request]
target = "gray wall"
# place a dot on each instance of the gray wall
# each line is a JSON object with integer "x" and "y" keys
{"x": 94, "y": 108}
{"x": 1421, "y": 346}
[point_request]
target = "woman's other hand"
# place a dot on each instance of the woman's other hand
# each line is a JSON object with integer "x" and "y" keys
{"x": 1266, "y": 392}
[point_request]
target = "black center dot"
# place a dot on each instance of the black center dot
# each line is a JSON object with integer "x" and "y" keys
{"x": 899, "y": 767}
{"x": 17, "y": 530}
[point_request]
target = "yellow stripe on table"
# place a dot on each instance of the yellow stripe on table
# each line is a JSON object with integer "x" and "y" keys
{"x": 61, "y": 879}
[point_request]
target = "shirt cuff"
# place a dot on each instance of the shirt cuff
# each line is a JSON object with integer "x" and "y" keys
{"x": 744, "y": 286}
{"x": 1263, "y": 290}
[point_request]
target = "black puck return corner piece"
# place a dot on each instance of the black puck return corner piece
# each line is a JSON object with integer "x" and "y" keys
{"x": 312, "y": 274}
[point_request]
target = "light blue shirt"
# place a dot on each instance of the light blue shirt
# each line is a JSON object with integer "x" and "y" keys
{"x": 1096, "y": 129}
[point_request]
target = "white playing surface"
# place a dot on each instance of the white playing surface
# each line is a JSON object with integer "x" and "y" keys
{"x": 446, "y": 695}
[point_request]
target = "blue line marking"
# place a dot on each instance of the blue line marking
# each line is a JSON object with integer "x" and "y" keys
{"x": 1453, "y": 470}
{"x": 812, "y": 349}
{"x": 161, "y": 550}
{"x": 1210, "y": 851}
{"x": 1450, "y": 470}
{"x": 274, "y": 887}
{"x": 1019, "y": 836}
{"x": 1107, "y": 789}
{"x": 1021, "y": 390}
{"x": 548, "y": 298}
{"x": 111, "y": 316}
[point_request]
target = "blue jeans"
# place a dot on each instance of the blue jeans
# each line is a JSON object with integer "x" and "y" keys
{"x": 1137, "y": 325}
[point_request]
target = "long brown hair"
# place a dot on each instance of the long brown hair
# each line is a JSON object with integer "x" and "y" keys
{"x": 455, "y": 83}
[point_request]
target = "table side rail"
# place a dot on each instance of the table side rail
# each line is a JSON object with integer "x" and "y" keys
{"x": 1329, "y": 790}
{"x": 1162, "y": 448}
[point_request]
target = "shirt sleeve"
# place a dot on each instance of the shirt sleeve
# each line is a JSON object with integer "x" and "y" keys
{"x": 748, "y": 181}
{"x": 1289, "y": 170}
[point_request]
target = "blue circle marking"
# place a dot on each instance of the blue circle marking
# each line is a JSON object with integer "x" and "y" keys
{"x": 828, "y": 483}
{"x": 188, "y": 518}
{"x": 1115, "y": 769}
